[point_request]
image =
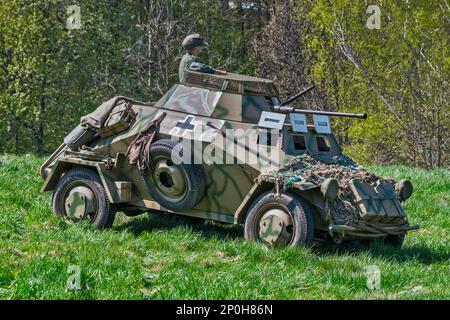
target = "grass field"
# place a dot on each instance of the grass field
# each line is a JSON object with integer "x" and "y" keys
{"x": 156, "y": 258}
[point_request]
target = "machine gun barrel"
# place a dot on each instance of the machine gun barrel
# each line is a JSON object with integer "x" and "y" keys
{"x": 287, "y": 109}
{"x": 298, "y": 95}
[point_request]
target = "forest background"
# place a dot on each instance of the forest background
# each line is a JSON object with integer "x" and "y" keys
{"x": 60, "y": 59}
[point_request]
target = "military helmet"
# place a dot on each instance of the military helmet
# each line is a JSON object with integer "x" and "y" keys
{"x": 194, "y": 40}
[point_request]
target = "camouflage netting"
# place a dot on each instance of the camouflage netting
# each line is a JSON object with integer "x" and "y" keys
{"x": 305, "y": 168}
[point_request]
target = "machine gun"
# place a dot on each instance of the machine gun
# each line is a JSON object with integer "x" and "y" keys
{"x": 287, "y": 109}
{"x": 284, "y": 108}
{"x": 298, "y": 95}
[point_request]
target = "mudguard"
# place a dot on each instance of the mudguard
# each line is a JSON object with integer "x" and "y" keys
{"x": 62, "y": 165}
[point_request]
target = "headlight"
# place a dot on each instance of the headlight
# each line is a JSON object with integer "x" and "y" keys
{"x": 404, "y": 189}
{"x": 46, "y": 172}
{"x": 330, "y": 189}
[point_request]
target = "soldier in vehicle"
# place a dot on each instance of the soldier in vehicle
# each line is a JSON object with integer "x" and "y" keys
{"x": 194, "y": 45}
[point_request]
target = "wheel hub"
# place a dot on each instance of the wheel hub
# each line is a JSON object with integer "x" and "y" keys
{"x": 275, "y": 227}
{"x": 169, "y": 178}
{"x": 80, "y": 202}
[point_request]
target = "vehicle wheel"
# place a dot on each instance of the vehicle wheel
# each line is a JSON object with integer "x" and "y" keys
{"x": 281, "y": 221}
{"x": 395, "y": 241}
{"x": 80, "y": 195}
{"x": 175, "y": 187}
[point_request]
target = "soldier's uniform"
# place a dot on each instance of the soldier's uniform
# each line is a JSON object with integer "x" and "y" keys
{"x": 190, "y": 61}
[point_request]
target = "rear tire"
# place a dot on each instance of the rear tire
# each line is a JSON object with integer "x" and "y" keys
{"x": 101, "y": 212}
{"x": 282, "y": 221}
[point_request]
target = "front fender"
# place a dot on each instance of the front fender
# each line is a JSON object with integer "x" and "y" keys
{"x": 63, "y": 165}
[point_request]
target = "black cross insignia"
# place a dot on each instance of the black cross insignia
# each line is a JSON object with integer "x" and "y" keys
{"x": 185, "y": 125}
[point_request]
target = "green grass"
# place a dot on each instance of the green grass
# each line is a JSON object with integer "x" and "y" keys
{"x": 153, "y": 258}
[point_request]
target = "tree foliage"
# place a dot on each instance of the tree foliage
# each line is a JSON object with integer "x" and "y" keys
{"x": 50, "y": 76}
{"x": 398, "y": 74}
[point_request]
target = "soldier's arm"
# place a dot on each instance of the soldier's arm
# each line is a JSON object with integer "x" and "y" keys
{"x": 201, "y": 67}
{"x": 221, "y": 72}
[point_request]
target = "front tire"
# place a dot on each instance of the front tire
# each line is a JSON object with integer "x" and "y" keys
{"x": 80, "y": 195}
{"x": 280, "y": 221}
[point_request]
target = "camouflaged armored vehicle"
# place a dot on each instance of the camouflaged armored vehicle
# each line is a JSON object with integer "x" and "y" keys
{"x": 273, "y": 168}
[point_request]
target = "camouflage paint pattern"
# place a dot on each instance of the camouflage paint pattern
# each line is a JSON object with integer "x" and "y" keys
{"x": 214, "y": 104}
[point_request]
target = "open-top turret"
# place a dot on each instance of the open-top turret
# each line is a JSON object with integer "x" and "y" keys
{"x": 223, "y": 148}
